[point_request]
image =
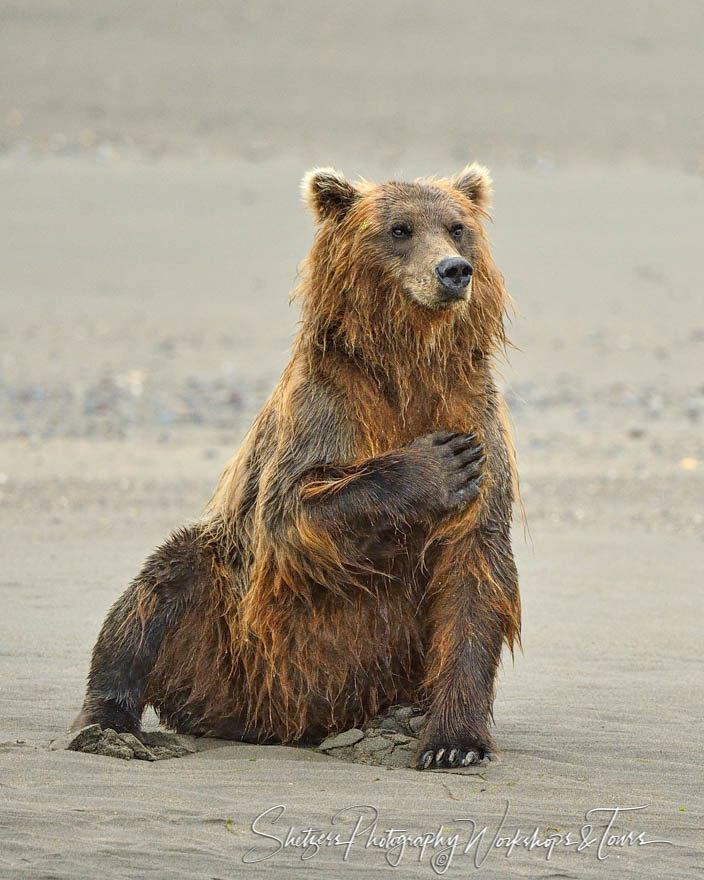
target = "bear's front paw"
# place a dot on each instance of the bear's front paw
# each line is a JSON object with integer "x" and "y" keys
{"x": 459, "y": 460}
{"x": 444, "y": 753}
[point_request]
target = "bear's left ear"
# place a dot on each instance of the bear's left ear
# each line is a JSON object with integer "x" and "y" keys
{"x": 328, "y": 193}
{"x": 474, "y": 181}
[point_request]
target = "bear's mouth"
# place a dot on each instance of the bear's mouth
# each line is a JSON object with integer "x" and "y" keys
{"x": 440, "y": 299}
{"x": 446, "y": 298}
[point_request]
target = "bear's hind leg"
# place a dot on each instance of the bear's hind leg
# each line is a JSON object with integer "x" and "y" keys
{"x": 132, "y": 634}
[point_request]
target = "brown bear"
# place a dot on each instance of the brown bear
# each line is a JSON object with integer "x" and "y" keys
{"x": 356, "y": 552}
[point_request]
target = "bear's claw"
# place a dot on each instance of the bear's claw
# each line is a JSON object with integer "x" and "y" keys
{"x": 460, "y": 460}
{"x": 444, "y": 758}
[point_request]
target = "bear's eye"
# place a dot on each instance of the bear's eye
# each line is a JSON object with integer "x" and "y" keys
{"x": 456, "y": 231}
{"x": 400, "y": 230}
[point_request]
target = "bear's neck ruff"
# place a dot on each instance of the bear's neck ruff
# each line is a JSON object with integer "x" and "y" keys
{"x": 407, "y": 349}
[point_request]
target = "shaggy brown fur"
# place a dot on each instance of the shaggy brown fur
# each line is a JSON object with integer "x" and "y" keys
{"x": 356, "y": 552}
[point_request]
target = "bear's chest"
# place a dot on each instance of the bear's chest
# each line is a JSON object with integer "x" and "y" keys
{"x": 398, "y": 423}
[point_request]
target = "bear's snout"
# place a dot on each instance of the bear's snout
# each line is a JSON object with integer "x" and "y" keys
{"x": 455, "y": 274}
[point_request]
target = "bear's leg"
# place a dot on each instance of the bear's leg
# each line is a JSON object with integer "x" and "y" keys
{"x": 133, "y": 632}
{"x": 473, "y": 606}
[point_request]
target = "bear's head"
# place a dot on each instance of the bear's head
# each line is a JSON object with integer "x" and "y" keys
{"x": 402, "y": 263}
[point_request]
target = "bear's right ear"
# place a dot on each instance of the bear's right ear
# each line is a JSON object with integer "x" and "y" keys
{"x": 328, "y": 193}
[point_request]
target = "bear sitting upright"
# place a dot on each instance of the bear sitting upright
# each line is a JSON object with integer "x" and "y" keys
{"x": 356, "y": 552}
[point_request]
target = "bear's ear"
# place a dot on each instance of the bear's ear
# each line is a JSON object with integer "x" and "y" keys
{"x": 328, "y": 193}
{"x": 474, "y": 181}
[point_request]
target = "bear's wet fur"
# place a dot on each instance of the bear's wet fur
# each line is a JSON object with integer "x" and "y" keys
{"x": 356, "y": 553}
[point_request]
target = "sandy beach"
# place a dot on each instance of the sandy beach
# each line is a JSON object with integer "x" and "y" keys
{"x": 150, "y": 233}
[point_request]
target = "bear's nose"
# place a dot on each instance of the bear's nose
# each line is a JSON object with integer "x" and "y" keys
{"x": 454, "y": 273}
